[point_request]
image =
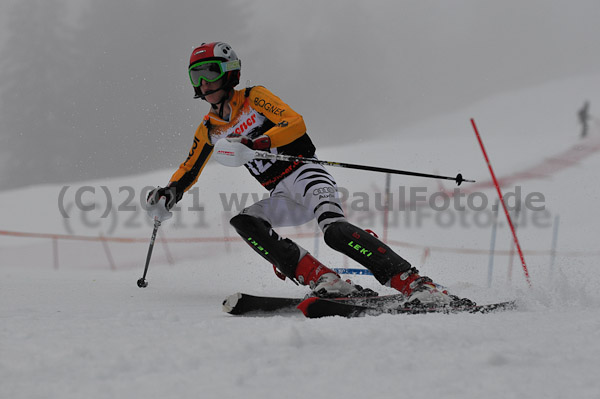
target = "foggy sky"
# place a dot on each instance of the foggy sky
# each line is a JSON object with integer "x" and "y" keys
{"x": 100, "y": 89}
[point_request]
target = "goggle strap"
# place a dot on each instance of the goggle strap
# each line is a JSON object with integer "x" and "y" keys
{"x": 231, "y": 65}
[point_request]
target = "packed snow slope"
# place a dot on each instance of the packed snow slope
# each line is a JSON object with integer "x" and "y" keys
{"x": 74, "y": 324}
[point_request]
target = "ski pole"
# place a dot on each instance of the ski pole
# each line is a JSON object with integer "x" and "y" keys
{"x": 291, "y": 158}
{"x": 142, "y": 283}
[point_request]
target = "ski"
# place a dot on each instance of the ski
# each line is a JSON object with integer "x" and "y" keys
{"x": 241, "y": 304}
{"x": 315, "y": 307}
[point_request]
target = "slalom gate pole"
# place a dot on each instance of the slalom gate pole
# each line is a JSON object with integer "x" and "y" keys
{"x": 142, "y": 283}
{"x": 291, "y": 158}
{"x": 511, "y": 255}
{"x": 492, "y": 246}
{"x": 55, "y": 252}
{"x": 510, "y": 223}
{"x": 554, "y": 242}
{"x": 386, "y": 212}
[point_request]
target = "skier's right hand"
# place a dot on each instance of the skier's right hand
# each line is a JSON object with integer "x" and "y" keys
{"x": 168, "y": 192}
{"x": 262, "y": 142}
{"x": 160, "y": 201}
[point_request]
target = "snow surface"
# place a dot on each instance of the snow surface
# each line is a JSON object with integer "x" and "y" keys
{"x": 86, "y": 330}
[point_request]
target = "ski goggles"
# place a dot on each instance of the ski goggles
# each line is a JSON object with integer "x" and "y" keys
{"x": 211, "y": 71}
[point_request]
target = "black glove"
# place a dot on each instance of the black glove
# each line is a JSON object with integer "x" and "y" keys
{"x": 262, "y": 142}
{"x": 159, "y": 192}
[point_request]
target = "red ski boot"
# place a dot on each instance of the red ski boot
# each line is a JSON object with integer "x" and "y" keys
{"x": 419, "y": 288}
{"x": 324, "y": 282}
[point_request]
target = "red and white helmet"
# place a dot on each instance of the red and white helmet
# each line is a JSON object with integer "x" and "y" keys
{"x": 211, "y": 62}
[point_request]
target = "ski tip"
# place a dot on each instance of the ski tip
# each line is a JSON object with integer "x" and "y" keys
{"x": 230, "y": 302}
{"x": 303, "y": 306}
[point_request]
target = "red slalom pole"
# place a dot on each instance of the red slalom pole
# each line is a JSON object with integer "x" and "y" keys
{"x": 510, "y": 223}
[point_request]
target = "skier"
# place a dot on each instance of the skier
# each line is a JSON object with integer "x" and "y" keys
{"x": 258, "y": 119}
{"x": 584, "y": 116}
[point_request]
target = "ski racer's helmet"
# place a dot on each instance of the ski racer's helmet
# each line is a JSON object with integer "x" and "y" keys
{"x": 211, "y": 62}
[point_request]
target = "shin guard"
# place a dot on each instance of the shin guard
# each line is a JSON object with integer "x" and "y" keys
{"x": 283, "y": 253}
{"x": 366, "y": 249}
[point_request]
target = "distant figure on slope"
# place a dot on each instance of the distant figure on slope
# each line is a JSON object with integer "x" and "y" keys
{"x": 584, "y": 117}
{"x": 299, "y": 192}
